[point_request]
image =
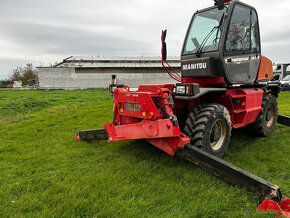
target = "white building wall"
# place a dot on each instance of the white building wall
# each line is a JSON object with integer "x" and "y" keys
{"x": 67, "y": 78}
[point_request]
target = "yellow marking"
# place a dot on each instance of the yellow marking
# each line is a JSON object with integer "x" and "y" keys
{"x": 243, "y": 103}
{"x": 143, "y": 114}
{"x": 121, "y": 110}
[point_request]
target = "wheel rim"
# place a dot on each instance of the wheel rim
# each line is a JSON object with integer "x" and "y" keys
{"x": 270, "y": 114}
{"x": 217, "y": 134}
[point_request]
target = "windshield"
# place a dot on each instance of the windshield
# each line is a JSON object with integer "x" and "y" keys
{"x": 286, "y": 78}
{"x": 202, "y": 25}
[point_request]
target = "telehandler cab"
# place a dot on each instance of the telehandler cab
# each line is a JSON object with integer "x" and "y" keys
{"x": 223, "y": 85}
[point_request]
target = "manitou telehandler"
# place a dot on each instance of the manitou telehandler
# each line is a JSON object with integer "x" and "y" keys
{"x": 223, "y": 85}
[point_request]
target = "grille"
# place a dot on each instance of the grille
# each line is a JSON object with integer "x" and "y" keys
{"x": 132, "y": 106}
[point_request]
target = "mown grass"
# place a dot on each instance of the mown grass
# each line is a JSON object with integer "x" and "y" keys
{"x": 44, "y": 172}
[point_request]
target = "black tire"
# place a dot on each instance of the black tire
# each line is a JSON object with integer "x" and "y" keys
{"x": 209, "y": 128}
{"x": 267, "y": 118}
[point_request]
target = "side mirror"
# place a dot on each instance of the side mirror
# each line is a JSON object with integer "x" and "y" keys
{"x": 220, "y": 4}
{"x": 163, "y": 49}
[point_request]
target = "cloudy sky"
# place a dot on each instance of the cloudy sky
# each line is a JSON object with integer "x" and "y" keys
{"x": 43, "y": 32}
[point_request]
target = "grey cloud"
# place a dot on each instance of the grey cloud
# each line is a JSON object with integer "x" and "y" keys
{"x": 8, "y": 64}
{"x": 277, "y": 51}
{"x": 277, "y": 35}
{"x": 109, "y": 27}
{"x": 53, "y": 39}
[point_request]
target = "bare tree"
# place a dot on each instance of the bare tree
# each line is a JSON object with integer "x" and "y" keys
{"x": 24, "y": 74}
{"x": 16, "y": 74}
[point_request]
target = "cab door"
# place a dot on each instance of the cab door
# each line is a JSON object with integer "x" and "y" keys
{"x": 242, "y": 45}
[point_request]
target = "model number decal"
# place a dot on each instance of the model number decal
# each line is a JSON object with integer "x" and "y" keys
{"x": 242, "y": 59}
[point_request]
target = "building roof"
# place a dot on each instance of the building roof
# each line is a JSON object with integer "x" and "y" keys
{"x": 116, "y": 62}
{"x": 280, "y": 64}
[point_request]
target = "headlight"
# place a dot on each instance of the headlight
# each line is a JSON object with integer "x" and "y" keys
{"x": 190, "y": 89}
{"x": 180, "y": 90}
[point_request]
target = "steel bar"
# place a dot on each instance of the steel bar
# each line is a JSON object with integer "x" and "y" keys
{"x": 283, "y": 120}
{"x": 230, "y": 173}
{"x": 95, "y": 134}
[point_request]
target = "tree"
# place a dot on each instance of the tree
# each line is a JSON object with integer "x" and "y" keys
{"x": 24, "y": 74}
{"x": 29, "y": 73}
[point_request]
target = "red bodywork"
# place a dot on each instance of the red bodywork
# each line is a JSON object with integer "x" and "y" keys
{"x": 150, "y": 113}
{"x": 244, "y": 105}
{"x": 203, "y": 82}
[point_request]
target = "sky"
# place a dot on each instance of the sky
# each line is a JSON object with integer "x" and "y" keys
{"x": 44, "y": 32}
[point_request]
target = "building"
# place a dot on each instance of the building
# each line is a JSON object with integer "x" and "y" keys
{"x": 281, "y": 70}
{"x": 17, "y": 84}
{"x": 82, "y": 72}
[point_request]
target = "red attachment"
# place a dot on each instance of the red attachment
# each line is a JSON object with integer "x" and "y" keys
{"x": 160, "y": 133}
{"x": 170, "y": 145}
{"x": 283, "y": 209}
{"x": 143, "y": 130}
{"x": 146, "y": 114}
{"x": 77, "y": 138}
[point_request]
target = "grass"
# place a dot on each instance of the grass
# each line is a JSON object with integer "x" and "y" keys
{"x": 44, "y": 172}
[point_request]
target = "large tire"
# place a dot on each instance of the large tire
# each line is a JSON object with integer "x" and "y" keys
{"x": 209, "y": 128}
{"x": 267, "y": 118}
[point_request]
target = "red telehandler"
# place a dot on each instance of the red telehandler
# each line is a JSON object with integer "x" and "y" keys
{"x": 223, "y": 85}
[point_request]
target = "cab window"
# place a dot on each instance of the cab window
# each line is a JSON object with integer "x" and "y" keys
{"x": 204, "y": 28}
{"x": 238, "y": 36}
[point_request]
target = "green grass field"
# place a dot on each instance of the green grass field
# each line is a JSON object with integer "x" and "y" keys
{"x": 45, "y": 172}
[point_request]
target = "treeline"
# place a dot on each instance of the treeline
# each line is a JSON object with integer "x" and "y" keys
{"x": 23, "y": 74}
